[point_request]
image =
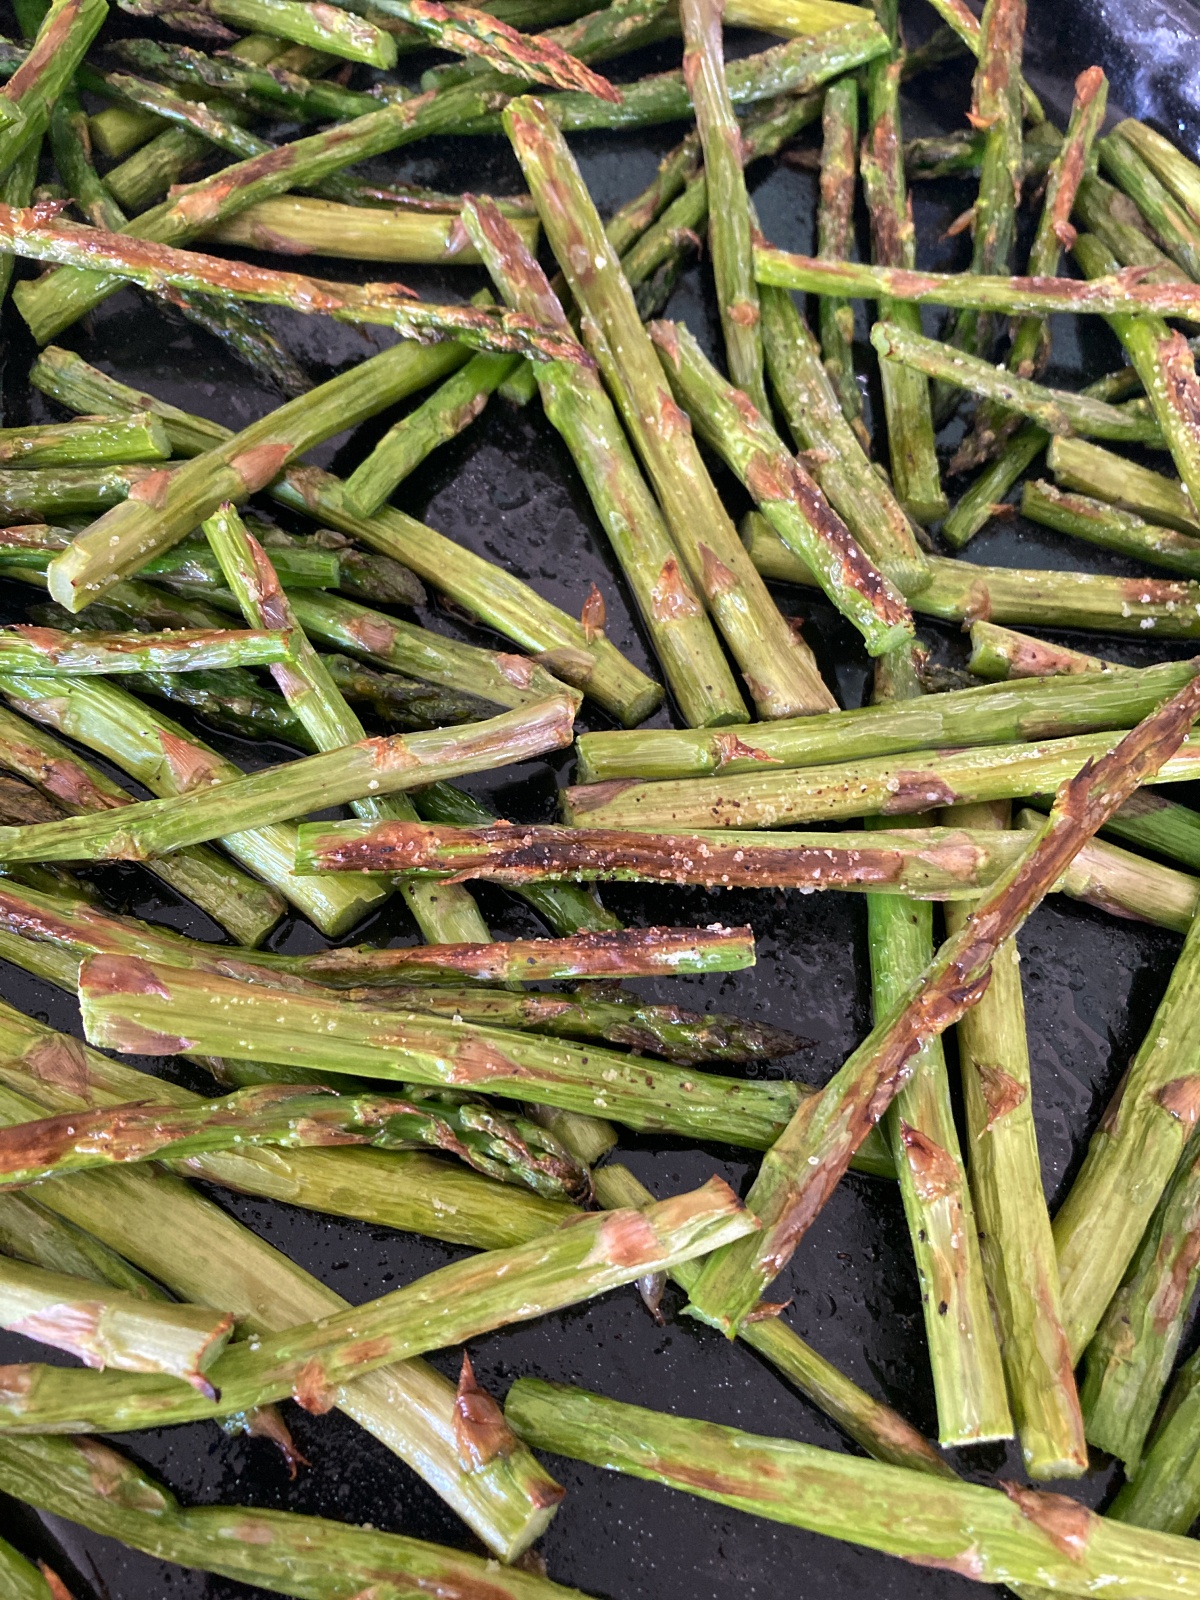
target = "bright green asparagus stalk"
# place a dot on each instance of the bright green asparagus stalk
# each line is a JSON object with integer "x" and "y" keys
{"x": 960, "y": 591}
{"x": 1002, "y": 654}
{"x": 1121, "y": 228}
{"x": 245, "y": 908}
{"x": 91, "y": 439}
{"x": 296, "y": 224}
{"x": 1131, "y": 1157}
{"x": 977, "y": 716}
{"x": 172, "y": 762}
{"x": 1010, "y": 1205}
{"x": 1097, "y": 472}
{"x": 1030, "y": 347}
{"x": 576, "y": 403}
{"x": 1173, "y": 227}
{"x": 402, "y": 702}
{"x": 443, "y": 416}
{"x": 781, "y": 676}
{"x": 803, "y": 1167}
{"x": 729, "y": 227}
{"x": 110, "y": 1330}
{"x": 16, "y": 189}
{"x": 792, "y": 502}
{"x": 1130, "y": 1358}
{"x": 444, "y": 916}
{"x": 1056, "y": 411}
{"x": 27, "y": 99}
{"x": 312, "y": 1361}
{"x": 334, "y": 31}
{"x": 46, "y": 652}
{"x": 30, "y": 1232}
{"x": 1165, "y": 1491}
{"x": 927, "y": 864}
{"x": 24, "y": 1581}
{"x": 1111, "y": 528}
{"x": 836, "y": 458}
{"x": 1019, "y": 1536}
{"x": 68, "y": 491}
{"x": 310, "y": 1557}
{"x": 835, "y": 240}
{"x": 893, "y": 244}
{"x": 487, "y": 591}
{"x": 281, "y": 1115}
{"x": 963, "y": 22}
{"x": 190, "y": 563}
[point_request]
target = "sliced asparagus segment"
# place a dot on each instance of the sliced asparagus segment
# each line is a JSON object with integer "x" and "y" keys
{"x": 835, "y": 238}
{"x": 50, "y": 653}
{"x": 90, "y": 439}
{"x": 1002, "y": 654}
{"x": 1110, "y": 477}
{"x": 1111, "y": 528}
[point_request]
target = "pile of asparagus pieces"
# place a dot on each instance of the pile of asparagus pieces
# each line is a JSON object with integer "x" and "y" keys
{"x": 470, "y": 1090}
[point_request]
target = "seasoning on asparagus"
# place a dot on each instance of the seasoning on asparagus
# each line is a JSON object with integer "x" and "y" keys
{"x": 47, "y": 652}
{"x": 835, "y": 238}
{"x": 1111, "y": 528}
{"x": 1002, "y": 654}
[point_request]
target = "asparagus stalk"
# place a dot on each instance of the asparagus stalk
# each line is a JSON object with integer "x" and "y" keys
{"x": 1122, "y": 229}
{"x": 47, "y": 652}
{"x": 1127, "y": 885}
{"x": 965, "y": 25}
{"x": 961, "y": 592}
{"x": 207, "y": 1257}
{"x": 16, "y": 189}
{"x": 1164, "y": 363}
{"x": 270, "y": 91}
{"x": 1010, "y": 1206}
{"x": 191, "y": 562}
{"x": 810, "y": 1158}
{"x": 88, "y": 1483}
{"x": 281, "y": 1115}
{"x": 1002, "y": 655}
{"x": 1097, "y": 472}
{"x": 576, "y": 403}
{"x": 447, "y": 412}
{"x": 67, "y": 491}
{"x": 1018, "y": 1536}
{"x": 245, "y": 908}
{"x": 930, "y": 864}
{"x": 729, "y": 212}
{"x": 1030, "y": 347}
{"x": 335, "y": 32}
{"x": 91, "y": 439}
{"x": 297, "y": 224}
{"x": 1170, "y": 165}
{"x": 487, "y": 591}
{"x": 893, "y": 245}
{"x": 1111, "y": 528}
{"x": 1130, "y": 1159}
{"x": 172, "y": 762}
{"x": 1056, "y": 411}
{"x": 109, "y": 1330}
{"x": 835, "y": 239}
{"x": 727, "y": 419}
{"x": 24, "y": 1581}
{"x": 1105, "y": 296}
{"x": 1130, "y": 1358}
{"x": 30, "y": 1232}
{"x": 27, "y": 99}
{"x": 847, "y": 479}
{"x": 403, "y": 702}
{"x": 976, "y": 716}
{"x": 780, "y": 674}
{"x": 1165, "y": 1491}
{"x": 445, "y": 915}
{"x": 1173, "y": 227}
{"x": 313, "y": 1361}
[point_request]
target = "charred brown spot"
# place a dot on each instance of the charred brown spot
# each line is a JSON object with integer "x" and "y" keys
{"x": 1176, "y": 1288}
{"x": 917, "y": 791}
{"x": 671, "y": 598}
{"x": 153, "y": 489}
{"x": 475, "y": 1061}
{"x": 312, "y": 1389}
{"x": 594, "y": 615}
{"x": 585, "y": 797}
{"x": 768, "y": 477}
{"x": 666, "y": 336}
{"x": 626, "y": 1239}
{"x": 1001, "y": 1092}
{"x": 728, "y": 748}
{"x": 935, "y": 1172}
{"x": 671, "y": 420}
{"x": 743, "y": 313}
{"x": 190, "y": 766}
{"x": 16, "y": 1382}
{"x": 1181, "y": 1099}
{"x": 256, "y": 467}
{"x": 108, "y": 974}
{"x": 60, "y": 1060}
{"x": 1066, "y": 1523}
{"x": 481, "y": 1434}
{"x": 715, "y": 575}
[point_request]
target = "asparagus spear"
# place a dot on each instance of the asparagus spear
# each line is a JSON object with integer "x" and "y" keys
{"x": 1173, "y": 227}
{"x": 90, "y": 439}
{"x": 110, "y": 1330}
{"x": 24, "y": 1581}
{"x": 1130, "y": 1159}
{"x": 729, "y": 212}
{"x": 781, "y": 676}
{"x": 1169, "y": 164}
{"x": 448, "y": 913}
{"x": 1122, "y": 229}
{"x": 964, "y": 1355}
{"x": 403, "y": 702}
{"x": 191, "y": 562}
{"x": 26, "y": 100}
{"x": 312, "y": 1362}
{"x": 929, "y": 864}
{"x": 893, "y": 244}
{"x": 16, "y": 189}
{"x": 1097, "y": 472}
{"x": 271, "y": 91}
{"x": 245, "y": 908}
{"x": 1018, "y": 1536}
{"x": 1056, "y": 411}
{"x": 487, "y": 591}
{"x": 86, "y": 1482}
{"x": 965, "y": 25}
{"x": 847, "y": 479}
{"x": 961, "y": 592}
{"x": 334, "y": 31}
{"x": 1111, "y": 528}
{"x": 47, "y": 652}
{"x": 1127, "y": 885}
{"x": 793, "y": 504}
{"x": 67, "y": 491}
{"x": 1010, "y": 1206}
{"x": 30, "y": 1232}
{"x": 282, "y": 1115}
{"x": 575, "y": 402}
{"x": 296, "y": 224}
{"x": 835, "y": 239}
{"x": 806, "y": 1163}
{"x": 1002, "y": 654}
{"x": 1130, "y": 1358}
{"x": 977, "y": 716}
